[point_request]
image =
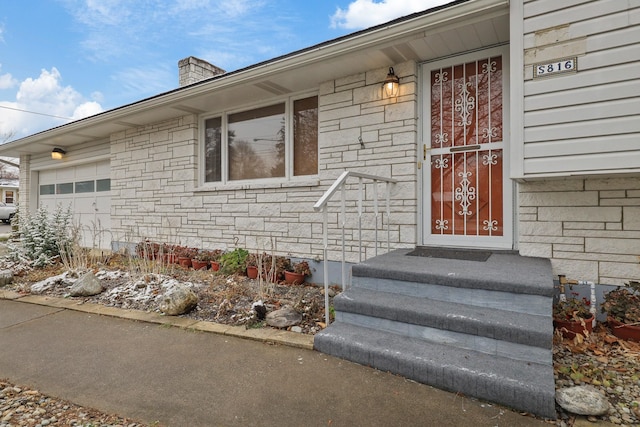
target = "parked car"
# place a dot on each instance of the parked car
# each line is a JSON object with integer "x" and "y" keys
{"x": 7, "y": 212}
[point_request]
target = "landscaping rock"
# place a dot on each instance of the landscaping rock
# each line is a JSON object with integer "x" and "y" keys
{"x": 48, "y": 284}
{"x": 582, "y": 400}
{"x": 6, "y": 277}
{"x": 283, "y": 318}
{"x": 86, "y": 286}
{"x": 178, "y": 300}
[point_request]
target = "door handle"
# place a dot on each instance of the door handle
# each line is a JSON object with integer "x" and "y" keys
{"x": 464, "y": 148}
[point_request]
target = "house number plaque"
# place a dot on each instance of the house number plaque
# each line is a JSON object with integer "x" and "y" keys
{"x": 559, "y": 66}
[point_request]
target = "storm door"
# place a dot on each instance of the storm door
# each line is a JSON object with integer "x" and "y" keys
{"x": 466, "y": 191}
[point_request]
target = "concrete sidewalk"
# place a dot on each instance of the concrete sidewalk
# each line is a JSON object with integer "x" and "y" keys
{"x": 186, "y": 376}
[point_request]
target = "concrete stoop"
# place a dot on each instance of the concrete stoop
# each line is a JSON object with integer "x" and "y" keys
{"x": 481, "y": 328}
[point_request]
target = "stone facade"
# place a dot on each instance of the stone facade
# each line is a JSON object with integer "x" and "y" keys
{"x": 25, "y": 182}
{"x": 156, "y": 194}
{"x": 590, "y": 228}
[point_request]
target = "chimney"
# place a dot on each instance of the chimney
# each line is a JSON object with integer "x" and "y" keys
{"x": 192, "y": 69}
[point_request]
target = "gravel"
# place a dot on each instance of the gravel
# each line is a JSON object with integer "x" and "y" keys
{"x": 22, "y": 406}
{"x": 610, "y": 365}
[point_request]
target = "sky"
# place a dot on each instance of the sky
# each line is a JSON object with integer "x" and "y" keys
{"x": 62, "y": 60}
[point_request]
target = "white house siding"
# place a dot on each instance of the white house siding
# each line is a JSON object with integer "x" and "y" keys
{"x": 155, "y": 191}
{"x": 589, "y": 121}
{"x": 585, "y": 123}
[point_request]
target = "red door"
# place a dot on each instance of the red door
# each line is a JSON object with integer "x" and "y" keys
{"x": 465, "y": 145}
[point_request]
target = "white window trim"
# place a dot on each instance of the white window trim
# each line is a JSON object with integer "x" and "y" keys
{"x": 225, "y": 184}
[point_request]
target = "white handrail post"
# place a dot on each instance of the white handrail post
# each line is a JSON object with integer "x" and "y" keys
{"x": 388, "y": 191}
{"x": 322, "y": 204}
{"x": 325, "y": 253}
{"x": 360, "y": 193}
{"x": 375, "y": 209}
{"x": 344, "y": 226}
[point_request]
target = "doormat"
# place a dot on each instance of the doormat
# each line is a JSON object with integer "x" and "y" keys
{"x": 448, "y": 253}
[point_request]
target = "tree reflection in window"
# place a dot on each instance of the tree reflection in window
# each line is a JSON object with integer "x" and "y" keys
{"x": 213, "y": 150}
{"x": 305, "y": 136}
{"x": 257, "y": 145}
{"x": 253, "y": 150}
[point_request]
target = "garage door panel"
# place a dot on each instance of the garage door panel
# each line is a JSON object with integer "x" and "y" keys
{"x": 91, "y": 208}
{"x": 65, "y": 175}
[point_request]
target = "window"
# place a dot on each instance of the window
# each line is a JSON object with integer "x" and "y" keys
{"x": 274, "y": 141}
{"x": 8, "y": 197}
{"x": 103, "y": 184}
{"x": 85, "y": 186}
{"x": 66, "y": 188}
{"x": 47, "y": 189}
{"x": 305, "y": 136}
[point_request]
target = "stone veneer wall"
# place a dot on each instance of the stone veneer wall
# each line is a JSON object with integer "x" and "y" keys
{"x": 155, "y": 178}
{"x": 590, "y": 228}
{"x": 24, "y": 186}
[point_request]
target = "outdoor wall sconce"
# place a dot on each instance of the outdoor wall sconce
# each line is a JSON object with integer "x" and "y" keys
{"x": 57, "y": 153}
{"x": 391, "y": 84}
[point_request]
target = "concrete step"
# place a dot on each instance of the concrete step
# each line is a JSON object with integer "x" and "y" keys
{"x": 504, "y": 281}
{"x": 518, "y": 384}
{"x": 518, "y": 335}
{"x": 475, "y": 322}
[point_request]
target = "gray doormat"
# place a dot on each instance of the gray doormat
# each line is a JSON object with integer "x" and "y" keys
{"x": 460, "y": 254}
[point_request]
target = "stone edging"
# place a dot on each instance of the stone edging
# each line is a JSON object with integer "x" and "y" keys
{"x": 291, "y": 339}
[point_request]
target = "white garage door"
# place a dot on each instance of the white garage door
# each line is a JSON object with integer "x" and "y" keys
{"x": 87, "y": 189}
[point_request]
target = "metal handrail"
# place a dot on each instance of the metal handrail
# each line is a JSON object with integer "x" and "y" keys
{"x": 321, "y": 204}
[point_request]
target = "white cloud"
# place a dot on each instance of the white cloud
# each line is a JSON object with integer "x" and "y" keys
{"x": 42, "y": 103}
{"x": 6, "y": 80}
{"x": 86, "y": 109}
{"x": 367, "y": 13}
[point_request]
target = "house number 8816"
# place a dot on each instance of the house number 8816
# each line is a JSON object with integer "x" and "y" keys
{"x": 556, "y": 67}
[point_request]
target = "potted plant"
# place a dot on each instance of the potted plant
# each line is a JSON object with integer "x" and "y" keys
{"x": 622, "y": 306}
{"x": 185, "y": 255}
{"x": 297, "y": 272}
{"x": 234, "y": 262}
{"x": 275, "y": 266}
{"x": 252, "y": 266}
{"x": 147, "y": 249}
{"x": 201, "y": 259}
{"x": 167, "y": 254}
{"x": 214, "y": 259}
{"x": 573, "y": 316}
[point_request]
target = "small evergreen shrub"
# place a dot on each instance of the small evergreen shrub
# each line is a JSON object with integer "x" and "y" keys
{"x": 42, "y": 236}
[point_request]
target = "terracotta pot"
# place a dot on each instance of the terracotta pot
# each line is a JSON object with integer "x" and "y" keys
{"x": 199, "y": 265}
{"x": 623, "y": 331}
{"x": 184, "y": 261}
{"x": 570, "y": 328}
{"x": 252, "y": 272}
{"x": 215, "y": 265}
{"x": 293, "y": 278}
